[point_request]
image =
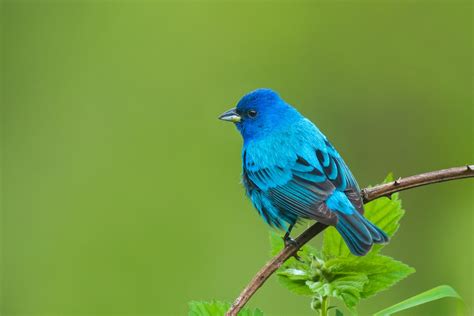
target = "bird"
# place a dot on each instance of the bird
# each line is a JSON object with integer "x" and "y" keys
{"x": 291, "y": 172}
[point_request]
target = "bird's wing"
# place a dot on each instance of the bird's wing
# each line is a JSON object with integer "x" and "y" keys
{"x": 301, "y": 187}
{"x": 343, "y": 180}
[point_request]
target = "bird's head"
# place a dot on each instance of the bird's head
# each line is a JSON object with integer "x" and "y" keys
{"x": 260, "y": 113}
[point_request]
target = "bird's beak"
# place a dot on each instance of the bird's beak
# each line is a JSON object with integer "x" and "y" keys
{"x": 230, "y": 116}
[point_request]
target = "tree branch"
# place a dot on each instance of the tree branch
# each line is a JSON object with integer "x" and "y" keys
{"x": 368, "y": 194}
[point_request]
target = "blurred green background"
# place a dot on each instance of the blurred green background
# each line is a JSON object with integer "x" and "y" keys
{"x": 121, "y": 190}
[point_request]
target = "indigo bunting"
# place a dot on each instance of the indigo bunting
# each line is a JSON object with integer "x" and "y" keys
{"x": 292, "y": 172}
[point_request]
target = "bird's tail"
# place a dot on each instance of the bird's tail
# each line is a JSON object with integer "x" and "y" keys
{"x": 359, "y": 233}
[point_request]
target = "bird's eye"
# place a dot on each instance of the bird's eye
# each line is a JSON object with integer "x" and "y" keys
{"x": 252, "y": 113}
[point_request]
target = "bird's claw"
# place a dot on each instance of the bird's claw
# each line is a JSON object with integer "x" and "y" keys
{"x": 291, "y": 242}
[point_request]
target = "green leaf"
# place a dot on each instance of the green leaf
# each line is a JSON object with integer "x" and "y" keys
{"x": 217, "y": 308}
{"x": 346, "y": 287}
{"x": 298, "y": 287}
{"x": 276, "y": 243}
{"x": 383, "y": 212}
{"x": 335, "y": 272}
{"x": 333, "y": 244}
{"x": 422, "y": 298}
{"x": 381, "y": 271}
{"x": 293, "y": 274}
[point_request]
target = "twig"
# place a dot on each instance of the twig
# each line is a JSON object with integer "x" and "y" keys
{"x": 368, "y": 194}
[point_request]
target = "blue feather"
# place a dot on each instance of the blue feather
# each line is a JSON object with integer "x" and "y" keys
{"x": 291, "y": 171}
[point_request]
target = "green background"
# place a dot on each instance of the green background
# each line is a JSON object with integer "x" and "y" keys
{"x": 120, "y": 188}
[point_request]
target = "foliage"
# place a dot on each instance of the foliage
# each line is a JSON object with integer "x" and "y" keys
{"x": 336, "y": 273}
{"x": 217, "y": 308}
{"x": 383, "y": 212}
{"x": 436, "y": 293}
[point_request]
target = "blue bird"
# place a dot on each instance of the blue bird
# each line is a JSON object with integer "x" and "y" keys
{"x": 292, "y": 172}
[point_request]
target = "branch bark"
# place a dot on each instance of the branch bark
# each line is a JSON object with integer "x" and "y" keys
{"x": 368, "y": 194}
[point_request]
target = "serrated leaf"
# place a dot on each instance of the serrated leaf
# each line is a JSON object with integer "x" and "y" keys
{"x": 295, "y": 274}
{"x": 349, "y": 289}
{"x": 333, "y": 244}
{"x": 346, "y": 287}
{"x": 389, "y": 178}
{"x": 276, "y": 243}
{"x": 217, "y": 308}
{"x": 383, "y": 212}
{"x": 381, "y": 271}
{"x": 298, "y": 287}
{"x": 320, "y": 288}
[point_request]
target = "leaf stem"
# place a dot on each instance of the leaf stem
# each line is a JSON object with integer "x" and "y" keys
{"x": 324, "y": 306}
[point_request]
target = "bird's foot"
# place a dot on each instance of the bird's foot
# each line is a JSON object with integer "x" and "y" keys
{"x": 291, "y": 242}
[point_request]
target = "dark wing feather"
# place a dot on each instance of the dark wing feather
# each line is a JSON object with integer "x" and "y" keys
{"x": 300, "y": 190}
{"x": 344, "y": 180}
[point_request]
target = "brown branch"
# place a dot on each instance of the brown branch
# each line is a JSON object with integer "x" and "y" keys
{"x": 368, "y": 194}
